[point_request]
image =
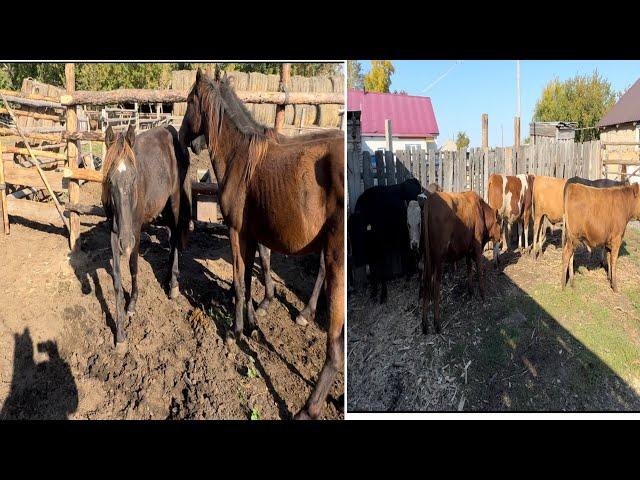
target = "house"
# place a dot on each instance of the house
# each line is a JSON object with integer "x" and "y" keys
{"x": 413, "y": 123}
{"x": 449, "y": 146}
{"x": 620, "y": 134}
{"x": 552, "y": 131}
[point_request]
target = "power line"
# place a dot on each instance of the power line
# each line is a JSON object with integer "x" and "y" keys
{"x": 437, "y": 80}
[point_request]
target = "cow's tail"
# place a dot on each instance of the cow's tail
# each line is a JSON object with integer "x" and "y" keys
{"x": 564, "y": 216}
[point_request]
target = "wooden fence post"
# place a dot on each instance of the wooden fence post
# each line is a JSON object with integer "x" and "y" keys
{"x": 3, "y": 197}
{"x": 285, "y": 75}
{"x": 72, "y": 155}
{"x": 388, "y": 135}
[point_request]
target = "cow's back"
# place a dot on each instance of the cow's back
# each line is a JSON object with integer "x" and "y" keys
{"x": 452, "y": 218}
{"x": 548, "y": 197}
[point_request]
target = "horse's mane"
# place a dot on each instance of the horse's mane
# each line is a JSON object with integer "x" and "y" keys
{"x": 118, "y": 149}
{"x": 218, "y": 100}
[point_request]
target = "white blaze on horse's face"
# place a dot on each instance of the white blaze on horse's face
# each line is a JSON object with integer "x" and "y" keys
{"x": 414, "y": 214}
{"x": 122, "y": 167}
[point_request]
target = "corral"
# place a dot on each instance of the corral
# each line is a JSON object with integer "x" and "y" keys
{"x": 529, "y": 346}
{"x": 57, "y": 357}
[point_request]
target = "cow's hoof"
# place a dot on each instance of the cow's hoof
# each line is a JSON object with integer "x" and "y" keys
{"x": 122, "y": 348}
{"x": 261, "y": 312}
{"x": 300, "y": 320}
{"x": 302, "y": 415}
{"x": 174, "y": 292}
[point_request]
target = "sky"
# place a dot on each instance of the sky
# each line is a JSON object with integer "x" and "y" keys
{"x": 462, "y": 90}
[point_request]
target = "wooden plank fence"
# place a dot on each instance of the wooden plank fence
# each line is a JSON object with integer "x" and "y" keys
{"x": 470, "y": 170}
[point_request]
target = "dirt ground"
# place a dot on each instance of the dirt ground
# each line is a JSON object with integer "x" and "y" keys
{"x": 530, "y": 347}
{"x": 57, "y": 356}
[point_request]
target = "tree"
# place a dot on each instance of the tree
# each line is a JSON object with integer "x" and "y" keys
{"x": 355, "y": 79}
{"x": 379, "y": 77}
{"x": 462, "y": 141}
{"x": 582, "y": 99}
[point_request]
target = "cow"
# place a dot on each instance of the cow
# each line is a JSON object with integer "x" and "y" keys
{"x": 511, "y": 197}
{"x": 454, "y": 226}
{"x": 599, "y": 183}
{"x": 547, "y": 206}
{"x": 597, "y": 217}
{"x": 378, "y": 227}
{"x": 414, "y": 222}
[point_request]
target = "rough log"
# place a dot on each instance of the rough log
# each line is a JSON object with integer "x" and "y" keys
{"x": 3, "y": 197}
{"x": 204, "y": 188}
{"x": 87, "y": 136}
{"x": 108, "y": 97}
{"x": 82, "y": 174}
{"x": 35, "y": 136}
{"x": 96, "y": 210}
{"x": 37, "y": 153}
{"x": 285, "y": 76}
{"x": 36, "y": 115}
{"x": 36, "y": 211}
{"x": 28, "y": 100}
{"x": 17, "y": 175}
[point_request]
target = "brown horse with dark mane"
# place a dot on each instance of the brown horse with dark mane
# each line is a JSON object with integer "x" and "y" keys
{"x": 285, "y": 195}
{"x": 144, "y": 176}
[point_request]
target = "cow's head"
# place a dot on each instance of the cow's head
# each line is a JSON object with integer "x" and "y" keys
{"x": 414, "y": 216}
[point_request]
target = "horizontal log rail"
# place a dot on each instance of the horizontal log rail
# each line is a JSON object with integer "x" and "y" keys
{"x": 82, "y": 174}
{"x": 51, "y": 137}
{"x": 609, "y": 144}
{"x": 29, "y": 177}
{"x": 37, "y": 153}
{"x": 31, "y": 100}
{"x": 36, "y": 115}
{"x": 204, "y": 188}
{"x": 95, "y": 210}
{"x": 109, "y": 97}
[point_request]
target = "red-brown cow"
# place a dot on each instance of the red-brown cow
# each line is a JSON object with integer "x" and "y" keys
{"x": 455, "y": 225}
{"x": 511, "y": 197}
{"x": 597, "y": 217}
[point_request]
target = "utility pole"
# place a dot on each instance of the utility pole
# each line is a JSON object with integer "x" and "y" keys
{"x": 516, "y": 121}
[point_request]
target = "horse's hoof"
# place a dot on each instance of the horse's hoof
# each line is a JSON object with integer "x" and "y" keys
{"x": 130, "y": 313}
{"x": 255, "y": 334}
{"x": 300, "y": 320}
{"x": 261, "y": 312}
{"x": 122, "y": 348}
{"x": 230, "y": 339}
{"x": 302, "y": 415}
{"x": 174, "y": 292}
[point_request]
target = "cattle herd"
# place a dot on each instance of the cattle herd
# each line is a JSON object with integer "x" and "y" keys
{"x": 432, "y": 227}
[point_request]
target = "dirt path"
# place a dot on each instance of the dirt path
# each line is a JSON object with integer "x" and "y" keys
{"x": 57, "y": 358}
{"x": 531, "y": 346}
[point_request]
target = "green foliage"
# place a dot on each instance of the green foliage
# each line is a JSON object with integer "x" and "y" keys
{"x": 355, "y": 78}
{"x": 255, "y": 413}
{"x": 252, "y": 372}
{"x": 109, "y": 76}
{"x": 378, "y": 79}
{"x": 583, "y": 99}
{"x": 462, "y": 140}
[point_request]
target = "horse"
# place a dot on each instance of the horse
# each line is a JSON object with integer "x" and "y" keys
{"x": 287, "y": 196}
{"x": 144, "y": 176}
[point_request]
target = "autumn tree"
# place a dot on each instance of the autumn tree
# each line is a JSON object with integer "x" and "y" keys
{"x": 355, "y": 79}
{"x": 583, "y": 99}
{"x": 462, "y": 141}
{"x": 378, "y": 79}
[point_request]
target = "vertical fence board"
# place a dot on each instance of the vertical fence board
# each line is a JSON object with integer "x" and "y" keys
{"x": 391, "y": 168}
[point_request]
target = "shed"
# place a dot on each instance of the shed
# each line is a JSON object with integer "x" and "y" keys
{"x": 552, "y": 131}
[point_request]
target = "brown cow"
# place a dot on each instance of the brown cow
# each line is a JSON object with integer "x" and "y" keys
{"x": 455, "y": 225}
{"x": 547, "y": 205}
{"x": 511, "y": 197}
{"x": 597, "y": 217}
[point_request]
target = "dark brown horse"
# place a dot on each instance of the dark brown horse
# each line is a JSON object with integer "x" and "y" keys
{"x": 287, "y": 196}
{"x": 144, "y": 176}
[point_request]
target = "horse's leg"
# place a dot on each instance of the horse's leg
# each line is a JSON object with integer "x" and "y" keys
{"x": 121, "y": 338}
{"x": 237, "y": 247}
{"x": 133, "y": 269}
{"x": 174, "y": 227}
{"x": 249, "y": 256}
{"x": 335, "y": 335}
{"x": 269, "y": 290}
{"x": 309, "y": 312}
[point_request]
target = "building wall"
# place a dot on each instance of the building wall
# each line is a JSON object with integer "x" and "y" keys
{"x": 371, "y": 144}
{"x": 623, "y": 133}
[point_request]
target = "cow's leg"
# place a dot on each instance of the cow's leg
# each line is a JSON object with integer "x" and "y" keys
{"x": 469, "y": 275}
{"x": 121, "y": 337}
{"x": 426, "y": 291}
{"x": 269, "y": 289}
{"x": 506, "y": 233}
{"x": 437, "y": 295}
{"x": 133, "y": 269}
{"x": 536, "y": 236}
{"x": 520, "y": 233}
{"x": 613, "y": 261}
{"x": 478, "y": 254}
{"x": 572, "y": 270}
{"x": 373, "y": 270}
{"x": 309, "y": 312}
{"x": 606, "y": 253}
{"x": 567, "y": 253}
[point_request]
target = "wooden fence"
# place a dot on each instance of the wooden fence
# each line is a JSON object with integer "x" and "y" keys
{"x": 68, "y": 104}
{"x": 470, "y": 170}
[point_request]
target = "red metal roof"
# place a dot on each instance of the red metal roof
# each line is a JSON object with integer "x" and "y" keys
{"x": 410, "y": 115}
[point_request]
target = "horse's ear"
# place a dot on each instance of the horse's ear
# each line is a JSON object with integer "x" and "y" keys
{"x": 198, "y": 75}
{"x": 131, "y": 135}
{"x": 216, "y": 73}
{"x": 109, "y": 136}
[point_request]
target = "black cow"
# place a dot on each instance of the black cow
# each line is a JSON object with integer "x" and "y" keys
{"x": 378, "y": 227}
